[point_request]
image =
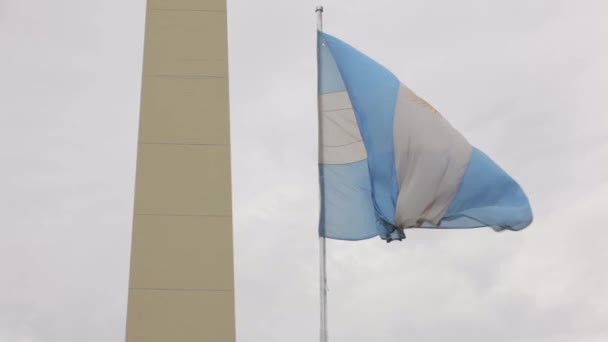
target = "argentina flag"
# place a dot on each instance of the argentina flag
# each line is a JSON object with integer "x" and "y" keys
{"x": 388, "y": 161}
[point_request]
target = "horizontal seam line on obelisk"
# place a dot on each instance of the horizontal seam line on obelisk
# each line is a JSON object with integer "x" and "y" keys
{"x": 201, "y": 215}
{"x": 202, "y": 59}
{"x": 185, "y": 76}
{"x": 167, "y": 289}
{"x": 165, "y": 143}
{"x": 185, "y": 10}
{"x": 335, "y": 110}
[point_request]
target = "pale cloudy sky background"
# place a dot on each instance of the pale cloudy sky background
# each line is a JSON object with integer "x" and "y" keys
{"x": 524, "y": 80}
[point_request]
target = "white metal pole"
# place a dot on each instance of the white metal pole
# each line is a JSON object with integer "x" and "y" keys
{"x": 323, "y": 281}
{"x": 319, "y": 11}
{"x": 322, "y": 249}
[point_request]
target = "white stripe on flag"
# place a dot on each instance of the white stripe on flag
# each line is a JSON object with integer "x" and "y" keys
{"x": 430, "y": 159}
{"x": 340, "y": 140}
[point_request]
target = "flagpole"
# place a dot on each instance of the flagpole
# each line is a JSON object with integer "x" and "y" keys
{"x": 322, "y": 247}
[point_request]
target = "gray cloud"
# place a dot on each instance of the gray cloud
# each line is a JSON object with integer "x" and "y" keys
{"x": 524, "y": 81}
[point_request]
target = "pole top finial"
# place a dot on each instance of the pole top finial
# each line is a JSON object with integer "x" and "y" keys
{"x": 319, "y": 9}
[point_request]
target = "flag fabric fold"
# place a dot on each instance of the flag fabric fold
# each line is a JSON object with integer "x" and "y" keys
{"x": 389, "y": 161}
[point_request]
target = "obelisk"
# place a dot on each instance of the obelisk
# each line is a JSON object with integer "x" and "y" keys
{"x": 181, "y": 286}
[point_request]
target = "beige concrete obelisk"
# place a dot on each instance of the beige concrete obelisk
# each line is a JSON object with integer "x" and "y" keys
{"x": 181, "y": 283}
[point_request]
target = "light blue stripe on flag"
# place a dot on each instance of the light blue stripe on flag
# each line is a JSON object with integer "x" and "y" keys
{"x": 488, "y": 197}
{"x": 347, "y": 211}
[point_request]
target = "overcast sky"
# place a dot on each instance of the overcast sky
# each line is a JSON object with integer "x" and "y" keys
{"x": 523, "y": 80}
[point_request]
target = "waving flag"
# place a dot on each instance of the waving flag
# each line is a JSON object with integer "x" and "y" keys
{"x": 388, "y": 161}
